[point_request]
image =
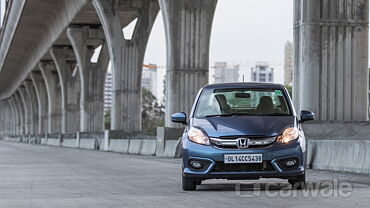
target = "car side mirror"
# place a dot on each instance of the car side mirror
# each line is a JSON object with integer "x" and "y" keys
{"x": 179, "y": 118}
{"x": 307, "y": 116}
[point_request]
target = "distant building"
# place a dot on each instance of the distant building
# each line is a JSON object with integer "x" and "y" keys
{"x": 262, "y": 73}
{"x": 288, "y": 63}
{"x": 108, "y": 92}
{"x": 224, "y": 73}
{"x": 150, "y": 79}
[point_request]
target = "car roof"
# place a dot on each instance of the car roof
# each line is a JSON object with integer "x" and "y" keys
{"x": 257, "y": 85}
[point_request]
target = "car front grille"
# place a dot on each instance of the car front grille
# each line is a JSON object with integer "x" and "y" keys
{"x": 249, "y": 167}
{"x": 232, "y": 141}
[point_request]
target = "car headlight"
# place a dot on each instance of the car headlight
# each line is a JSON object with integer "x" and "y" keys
{"x": 288, "y": 135}
{"x": 197, "y": 136}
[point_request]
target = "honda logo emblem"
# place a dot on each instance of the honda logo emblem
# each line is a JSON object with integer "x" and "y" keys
{"x": 243, "y": 143}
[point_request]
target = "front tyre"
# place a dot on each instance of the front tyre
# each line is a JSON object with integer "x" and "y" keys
{"x": 188, "y": 184}
{"x": 299, "y": 182}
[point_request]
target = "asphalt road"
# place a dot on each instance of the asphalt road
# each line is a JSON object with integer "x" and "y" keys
{"x": 40, "y": 176}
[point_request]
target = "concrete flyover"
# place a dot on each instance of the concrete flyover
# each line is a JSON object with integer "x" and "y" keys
{"x": 51, "y": 92}
{"x": 55, "y": 88}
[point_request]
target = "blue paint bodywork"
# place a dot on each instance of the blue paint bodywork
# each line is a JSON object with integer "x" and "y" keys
{"x": 268, "y": 126}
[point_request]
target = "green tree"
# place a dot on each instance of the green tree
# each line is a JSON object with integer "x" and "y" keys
{"x": 107, "y": 120}
{"x": 152, "y": 113}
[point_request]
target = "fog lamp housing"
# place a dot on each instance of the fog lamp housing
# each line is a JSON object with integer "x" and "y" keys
{"x": 290, "y": 163}
{"x": 196, "y": 164}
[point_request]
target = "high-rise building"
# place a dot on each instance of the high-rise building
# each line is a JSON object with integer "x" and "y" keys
{"x": 149, "y": 82}
{"x": 288, "y": 63}
{"x": 224, "y": 73}
{"x": 149, "y": 79}
{"x": 108, "y": 92}
{"x": 262, "y": 73}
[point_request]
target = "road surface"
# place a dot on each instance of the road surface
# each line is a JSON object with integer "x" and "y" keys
{"x": 41, "y": 176}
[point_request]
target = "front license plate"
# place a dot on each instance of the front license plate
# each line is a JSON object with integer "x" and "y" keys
{"x": 243, "y": 158}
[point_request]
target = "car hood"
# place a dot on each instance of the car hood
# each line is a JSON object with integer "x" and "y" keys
{"x": 244, "y": 125}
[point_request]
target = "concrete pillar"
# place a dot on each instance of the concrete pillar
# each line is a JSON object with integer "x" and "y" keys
{"x": 20, "y": 112}
{"x": 5, "y": 118}
{"x": 127, "y": 57}
{"x": 31, "y": 94}
{"x": 188, "y": 25}
{"x": 14, "y": 115}
{"x": 54, "y": 96}
{"x": 7, "y": 113}
{"x": 2, "y": 118}
{"x": 92, "y": 77}
{"x": 331, "y": 58}
{"x": 26, "y": 109}
{"x": 69, "y": 85}
{"x": 42, "y": 100}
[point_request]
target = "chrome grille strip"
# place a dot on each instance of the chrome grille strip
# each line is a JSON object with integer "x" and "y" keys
{"x": 233, "y": 142}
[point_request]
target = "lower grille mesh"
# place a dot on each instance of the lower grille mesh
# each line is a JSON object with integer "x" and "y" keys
{"x": 252, "y": 167}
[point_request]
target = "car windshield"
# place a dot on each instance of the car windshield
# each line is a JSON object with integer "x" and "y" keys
{"x": 234, "y": 102}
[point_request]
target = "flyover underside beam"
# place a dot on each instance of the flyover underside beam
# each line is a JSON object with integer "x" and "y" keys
{"x": 188, "y": 25}
{"x": 331, "y": 59}
{"x": 45, "y": 30}
{"x": 92, "y": 77}
{"x": 127, "y": 57}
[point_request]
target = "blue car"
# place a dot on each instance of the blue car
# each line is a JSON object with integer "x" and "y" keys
{"x": 243, "y": 131}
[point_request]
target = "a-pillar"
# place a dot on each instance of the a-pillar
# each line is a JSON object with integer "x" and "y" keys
{"x": 92, "y": 76}
{"x": 69, "y": 85}
{"x": 54, "y": 96}
{"x": 331, "y": 58}
{"x": 42, "y": 99}
{"x": 33, "y": 105}
{"x": 127, "y": 57}
{"x": 188, "y": 25}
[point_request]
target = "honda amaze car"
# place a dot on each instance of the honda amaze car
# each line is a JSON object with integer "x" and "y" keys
{"x": 243, "y": 131}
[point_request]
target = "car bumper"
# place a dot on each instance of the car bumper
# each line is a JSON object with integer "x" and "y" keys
{"x": 272, "y": 156}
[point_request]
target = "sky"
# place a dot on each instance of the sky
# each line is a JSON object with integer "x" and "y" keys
{"x": 244, "y": 32}
{"x": 2, "y": 11}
